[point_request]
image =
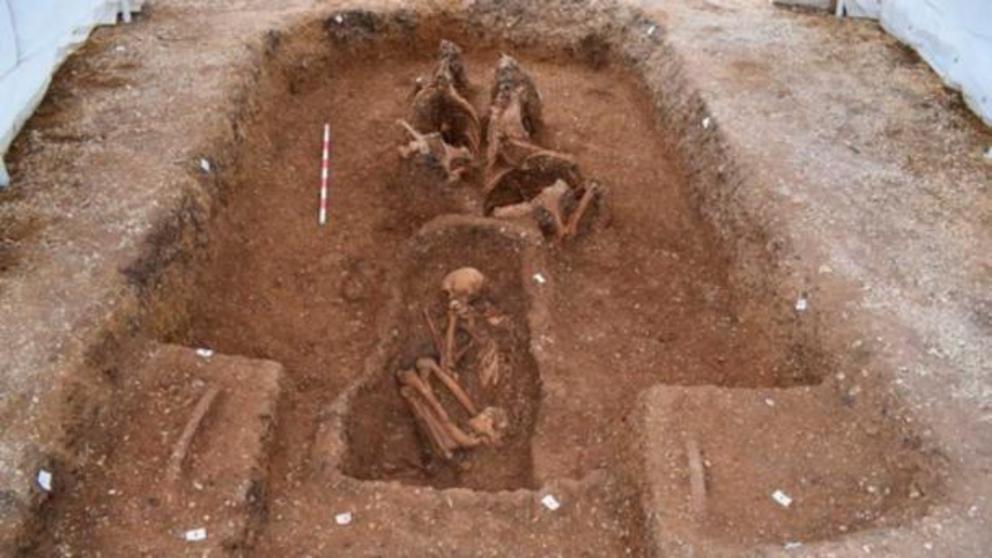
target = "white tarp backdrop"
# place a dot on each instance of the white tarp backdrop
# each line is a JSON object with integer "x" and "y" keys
{"x": 954, "y": 37}
{"x": 35, "y": 37}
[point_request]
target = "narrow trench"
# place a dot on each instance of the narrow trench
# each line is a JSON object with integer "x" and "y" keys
{"x": 643, "y": 298}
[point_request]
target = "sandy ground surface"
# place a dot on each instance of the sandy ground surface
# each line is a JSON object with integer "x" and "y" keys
{"x": 867, "y": 171}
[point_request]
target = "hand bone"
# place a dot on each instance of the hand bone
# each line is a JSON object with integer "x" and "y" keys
{"x": 491, "y": 424}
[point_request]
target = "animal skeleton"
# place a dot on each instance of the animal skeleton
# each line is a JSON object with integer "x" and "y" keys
{"x": 523, "y": 178}
{"x": 451, "y": 128}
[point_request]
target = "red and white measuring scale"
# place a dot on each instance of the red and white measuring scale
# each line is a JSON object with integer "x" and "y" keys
{"x": 325, "y": 166}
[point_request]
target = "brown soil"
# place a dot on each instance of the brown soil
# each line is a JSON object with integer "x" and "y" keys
{"x": 644, "y": 297}
{"x": 130, "y": 503}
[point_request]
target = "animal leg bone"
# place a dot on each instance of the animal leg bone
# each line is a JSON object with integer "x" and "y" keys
{"x": 697, "y": 476}
{"x": 181, "y": 449}
{"x": 572, "y": 228}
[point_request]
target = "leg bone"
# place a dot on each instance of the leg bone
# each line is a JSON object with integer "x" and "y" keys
{"x": 449, "y": 382}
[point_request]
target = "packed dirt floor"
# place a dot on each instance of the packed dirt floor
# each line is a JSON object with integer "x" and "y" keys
{"x": 768, "y": 333}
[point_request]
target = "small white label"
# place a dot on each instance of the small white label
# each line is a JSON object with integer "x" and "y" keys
{"x": 45, "y": 480}
{"x": 343, "y": 518}
{"x": 802, "y": 304}
{"x": 539, "y": 279}
{"x": 769, "y": 401}
{"x": 205, "y": 353}
{"x": 706, "y": 123}
{"x": 792, "y": 545}
{"x": 782, "y": 498}
{"x": 551, "y": 502}
{"x": 339, "y": 18}
{"x": 651, "y": 30}
{"x": 205, "y": 165}
{"x": 196, "y": 535}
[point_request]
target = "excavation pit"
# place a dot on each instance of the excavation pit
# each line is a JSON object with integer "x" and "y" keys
{"x": 670, "y": 286}
{"x": 653, "y": 295}
{"x": 383, "y": 443}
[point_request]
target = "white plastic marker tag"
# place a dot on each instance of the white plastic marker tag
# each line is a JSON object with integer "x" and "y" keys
{"x": 551, "y": 502}
{"x": 196, "y": 535}
{"x": 782, "y": 498}
{"x": 539, "y": 279}
{"x": 205, "y": 353}
{"x": 45, "y": 480}
{"x": 205, "y": 165}
{"x": 802, "y": 304}
{"x": 343, "y": 518}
